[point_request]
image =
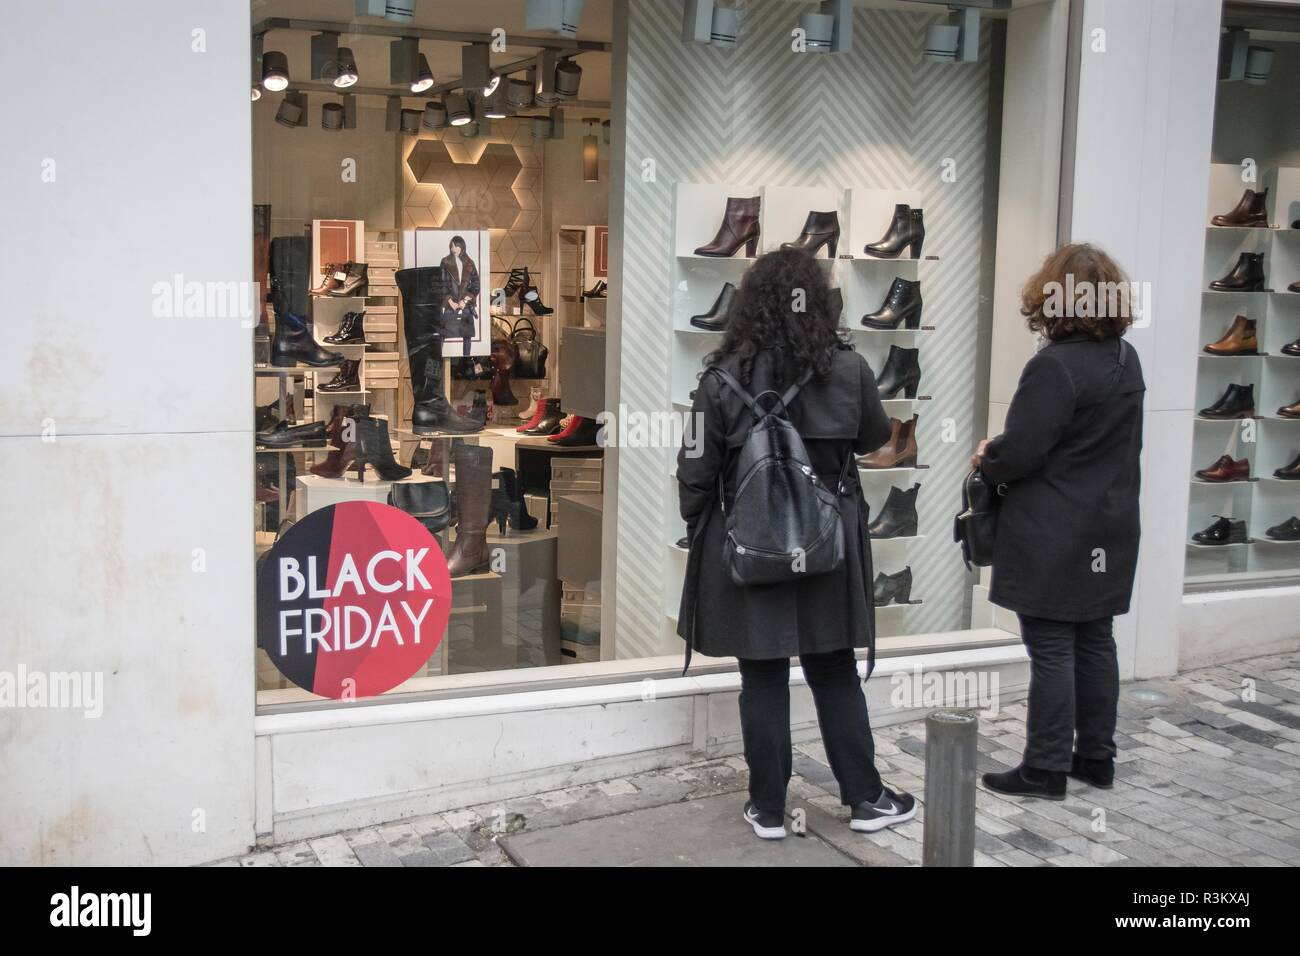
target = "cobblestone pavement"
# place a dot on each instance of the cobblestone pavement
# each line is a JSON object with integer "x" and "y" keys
{"x": 1208, "y": 773}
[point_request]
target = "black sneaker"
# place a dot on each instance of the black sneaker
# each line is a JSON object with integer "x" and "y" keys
{"x": 1025, "y": 781}
{"x": 768, "y": 824}
{"x": 887, "y": 810}
{"x": 1097, "y": 773}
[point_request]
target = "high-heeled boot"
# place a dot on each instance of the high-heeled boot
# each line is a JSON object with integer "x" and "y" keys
{"x": 715, "y": 320}
{"x": 897, "y": 519}
{"x": 902, "y": 371}
{"x": 740, "y": 227}
{"x": 374, "y": 448}
{"x": 580, "y": 432}
{"x": 906, "y": 231}
{"x": 432, "y": 412}
{"x": 535, "y": 395}
{"x": 294, "y": 342}
{"x": 899, "y": 452}
{"x": 341, "y": 435}
{"x": 549, "y": 423}
{"x": 902, "y": 306}
{"x": 820, "y": 229}
{"x": 529, "y": 296}
{"x": 536, "y": 417}
{"x": 508, "y": 505}
{"x": 469, "y": 551}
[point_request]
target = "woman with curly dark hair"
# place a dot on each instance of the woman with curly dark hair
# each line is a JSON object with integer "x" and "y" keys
{"x": 780, "y": 326}
{"x": 1067, "y": 538}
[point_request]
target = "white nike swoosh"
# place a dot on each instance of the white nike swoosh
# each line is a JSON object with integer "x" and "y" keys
{"x": 893, "y": 811}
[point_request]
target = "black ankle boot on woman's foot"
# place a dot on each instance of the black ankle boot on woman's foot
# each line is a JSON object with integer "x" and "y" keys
{"x": 1098, "y": 773}
{"x": 1025, "y": 781}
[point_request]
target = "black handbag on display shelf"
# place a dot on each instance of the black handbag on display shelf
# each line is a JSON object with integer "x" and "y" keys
{"x": 471, "y": 368}
{"x": 530, "y": 353}
{"x": 976, "y": 526}
{"x": 428, "y": 502}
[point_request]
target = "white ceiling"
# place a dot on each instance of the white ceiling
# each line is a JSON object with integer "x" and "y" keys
{"x": 475, "y": 16}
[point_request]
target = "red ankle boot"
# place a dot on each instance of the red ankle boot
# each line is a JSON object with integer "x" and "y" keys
{"x": 574, "y": 423}
{"x": 537, "y": 416}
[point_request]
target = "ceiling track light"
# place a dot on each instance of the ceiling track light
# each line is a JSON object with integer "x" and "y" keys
{"x": 493, "y": 84}
{"x": 399, "y": 11}
{"x": 331, "y": 117}
{"x": 555, "y": 16}
{"x": 435, "y": 115}
{"x": 293, "y": 110}
{"x": 1259, "y": 64}
{"x": 494, "y": 106}
{"x": 957, "y": 40}
{"x": 475, "y": 66}
{"x": 459, "y": 111}
{"x": 347, "y": 74}
{"x": 519, "y": 93}
{"x": 423, "y": 79}
{"x": 410, "y": 121}
{"x": 544, "y": 91}
{"x": 275, "y": 71}
{"x": 568, "y": 77}
{"x": 257, "y": 93}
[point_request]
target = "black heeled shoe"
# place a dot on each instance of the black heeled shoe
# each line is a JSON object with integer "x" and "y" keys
{"x": 906, "y": 231}
{"x": 902, "y": 372}
{"x": 820, "y": 229}
{"x": 508, "y": 505}
{"x": 902, "y": 306}
{"x": 530, "y": 298}
{"x": 373, "y": 447}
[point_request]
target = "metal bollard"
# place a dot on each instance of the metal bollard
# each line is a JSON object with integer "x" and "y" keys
{"x": 950, "y": 788}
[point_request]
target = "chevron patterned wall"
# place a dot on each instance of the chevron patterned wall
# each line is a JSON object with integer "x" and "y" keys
{"x": 879, "y": 117}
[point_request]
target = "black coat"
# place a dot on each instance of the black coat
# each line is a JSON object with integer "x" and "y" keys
{"x": 1068, "y": 527}
{"x": 835, "y": 417}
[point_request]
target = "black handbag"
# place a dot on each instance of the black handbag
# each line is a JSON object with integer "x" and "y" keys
{"x": 472, "y": 368}
{"x": 530, "y": 352}
{"x": 428, "y": 502}
{"x": 976, "y": 526}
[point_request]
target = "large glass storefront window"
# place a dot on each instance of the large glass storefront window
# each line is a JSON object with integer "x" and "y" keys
{"x": 449, "y": 311}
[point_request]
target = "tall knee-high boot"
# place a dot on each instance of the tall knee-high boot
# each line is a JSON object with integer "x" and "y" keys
{"x": 469, "y": 551}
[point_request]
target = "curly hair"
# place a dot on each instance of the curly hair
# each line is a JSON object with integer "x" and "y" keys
{"x": 1077, "y": 289}
{"x": 783, "y": 303}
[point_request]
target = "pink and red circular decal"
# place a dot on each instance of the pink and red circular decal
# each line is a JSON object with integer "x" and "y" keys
{"x": 353, "y": 600}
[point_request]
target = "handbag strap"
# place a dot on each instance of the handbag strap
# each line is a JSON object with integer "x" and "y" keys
{"x": 523, "y": 320}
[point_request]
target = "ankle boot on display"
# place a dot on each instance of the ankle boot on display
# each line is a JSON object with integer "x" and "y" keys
{"x": 1237, "y": 401}
{"x": 1290, "y": 472}
{"x": 345, "y": 379}
{"x": 1240, "y": 339}
{"x": 432, "y": 412}
{"x": 508, "y": 505}
{"x": 538, "y": 411}
{"x": 530, "y": 298}
{"x": 1246, "y": 276}
{"x": 268, "y": 416}
{"x": 892, "y": 588}
{"x": 902, "y": 372}
{"x": 328, "y": 282}
{"x": 1251, "y": 210}
{"x": 530, "y": 414}
{"x": 549, "y": 423}
{"x": 902, "y": 306}
{"x": 469, "y": 551}
{"x": 715, "y": 320}
{"x": 374, "y": 448}
{"x": 740, "y": 226}
{"x": 580, "y": 431}
{"x": 352, "y": 330}
{"x": 1025, "y": 781}
{"x": 898, "y": 518}
{"x": 341, "y": 433}
{"x": 599, "y": 291}
{"x": 820, "y": 229}
{"x": 355, "y": 278}
{"x": 899, "y": 452}
{"x": 906, "y": 231}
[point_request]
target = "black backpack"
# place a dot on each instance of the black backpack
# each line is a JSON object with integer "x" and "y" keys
{"x": 783, "y": 523}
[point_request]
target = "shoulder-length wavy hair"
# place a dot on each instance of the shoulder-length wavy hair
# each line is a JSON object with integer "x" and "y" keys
{"x": 783, "y": 303}
{"x": 1078, "y": 289}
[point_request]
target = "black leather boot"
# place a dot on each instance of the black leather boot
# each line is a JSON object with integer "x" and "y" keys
{"x": 892, "y": 587}
{"x": 740, "y": 227}
{"x": 294, "y": 345}
{"x": 374, "y": 448}
{"x": 285, "y": 435}
{"x": 715, "y": 320}
{"x": 1288, "y": 530}
{"x": 906, "y": 229}
{"x": 345, "y": 380}
{"x": 902, "y": 371}
{"x": 432, "y": 412}
{"x": 583, "y": 433}
{"x": 902, "y": 306}
{"x": 897, "y": 518}
{"x": 1251, "y": 210}
{"x": 1222, "y": 531}
{"x": 1028, "y": 782}
{"x": 294, "y": 342}
{"x": 1246, "y": 276}
{"x": 508, "y": 505}
{"x": 352, "y": 330}
{"x": 1289, "y": 472}
{"x": 550, "y": 421}
{"x": 1237, "y": 401}
{"x": 356, "y": 282}
{"x": 820, "y": 229}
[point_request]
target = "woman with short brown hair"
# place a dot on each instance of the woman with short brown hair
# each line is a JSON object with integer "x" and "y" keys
{"x": 1067, "y": 536}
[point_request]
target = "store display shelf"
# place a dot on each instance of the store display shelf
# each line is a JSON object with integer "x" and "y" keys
{"x": 322, "y": 394}
{"x": 1223, "y": 421}
{"x": 1272, "y": 541}
{"x": 1218, "y": 547}
{"x": 1277, "y": 418}
{"x": 925, "y": 329}
{"x": 1237, "y": 292}
{"x": 1274, "y": 480}
{"x": 271, "y": 371}
{"x": 873, "y": 260}
{"x": 891, "y": 471}
{"x": 1223, "y": 484}
{"x": 905, "y": 537}
{"x": 293, "y": 450}
{"x": 1281, "y": 355}
{"x": 474, "y": 578}
{"x": 1267, "y": 230}
{"x": 893, "y": 605}
{"x": 692, "y": 330}
{"x": 1249, "y": 355}
{"x": 900, "y": 402}
{"x": 691, "y": 257}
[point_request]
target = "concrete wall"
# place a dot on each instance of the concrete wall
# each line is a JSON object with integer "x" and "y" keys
{"x": 127, "y": 440}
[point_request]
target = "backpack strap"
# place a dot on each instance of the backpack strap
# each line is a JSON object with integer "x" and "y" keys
{"x": 751, "y": 402}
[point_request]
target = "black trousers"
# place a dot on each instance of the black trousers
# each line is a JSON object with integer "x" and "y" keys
{"x": 841, "y": 712}
{"x": 1073, "y": 686}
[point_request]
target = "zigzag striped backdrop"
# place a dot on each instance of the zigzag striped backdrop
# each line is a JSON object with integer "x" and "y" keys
{"x": 879, "y": 117}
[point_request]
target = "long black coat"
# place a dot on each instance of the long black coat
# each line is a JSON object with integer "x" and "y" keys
{"x": 835, "y": 417}
{"x": 1068, "y": 527}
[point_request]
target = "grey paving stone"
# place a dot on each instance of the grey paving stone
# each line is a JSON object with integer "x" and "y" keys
{"x": 447, "y": 848}
{"x": 377, "y": 854}
{"x": 1031, "y": 842}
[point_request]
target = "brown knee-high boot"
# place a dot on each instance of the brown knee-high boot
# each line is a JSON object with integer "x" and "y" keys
{"x": 469, "y": 552}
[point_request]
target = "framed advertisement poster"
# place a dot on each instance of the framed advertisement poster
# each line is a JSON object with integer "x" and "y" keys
{"x": 464, "y": 258}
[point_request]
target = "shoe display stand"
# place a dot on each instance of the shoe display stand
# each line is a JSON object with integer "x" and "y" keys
{"x": 1268, "y": 440}
{"x": 864, "y": 282}
{"x": 283, "y": 377}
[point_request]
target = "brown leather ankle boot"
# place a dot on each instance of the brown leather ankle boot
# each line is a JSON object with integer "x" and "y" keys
{"x": 1238, "y": 340}
{"x": 899, "y": 452}
{"x": 469, "y": 552}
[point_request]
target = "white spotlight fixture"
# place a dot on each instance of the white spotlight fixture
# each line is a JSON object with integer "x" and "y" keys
{"x": 257, "y": 94}
{"x": 1259, "y": 63}
{"x": 493, "y": 84}
{"x": 423, "y": 78}
{"x": 818, "y": 31}
{"x": 942, "y": 41}
{"x": 724, "y": 30}
{"x": 459, "y": 112}
{"x": 494, "y": 106}
{"x": 293, "y": 110}
{"x": 842, "y": 36}
{"x": 957, "y": 40}
{"x": 435, "y": 115}
{"x": 519, "y": 93}
{"x": 399, "y": 11}
{"x": 275, "y": 71}
{"x": 555, "y": 16}
{"x": 347, "y": 69}
{"x": 568, "y": 77}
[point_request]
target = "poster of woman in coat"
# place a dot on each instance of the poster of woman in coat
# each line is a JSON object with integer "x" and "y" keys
{"x": 463, "y": 259}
